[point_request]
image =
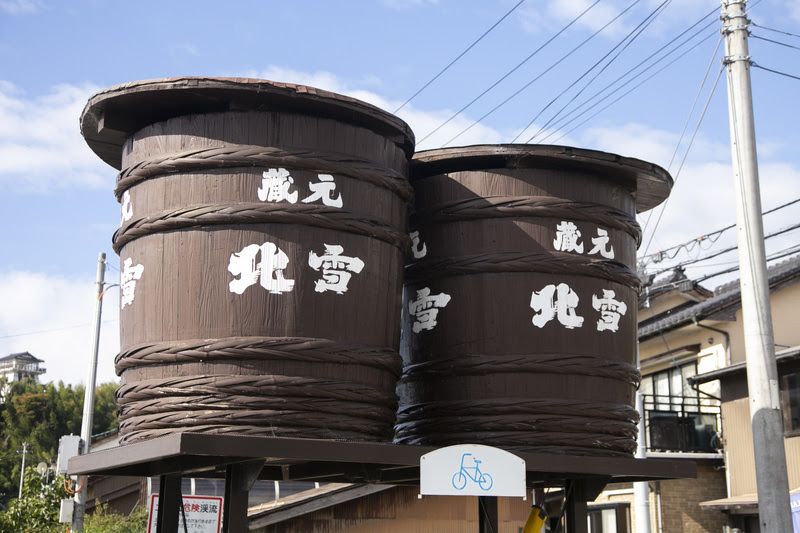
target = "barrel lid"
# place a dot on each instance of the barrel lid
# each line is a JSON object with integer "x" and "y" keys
{"x": 114, "y": 114}
{"x": 649, "y": 182}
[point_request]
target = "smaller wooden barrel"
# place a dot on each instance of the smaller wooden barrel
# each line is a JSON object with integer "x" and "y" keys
{"x": 520, "y": 301}
{"x": 262, "y": 246}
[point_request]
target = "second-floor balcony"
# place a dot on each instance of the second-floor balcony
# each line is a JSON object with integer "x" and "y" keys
{"x": 682, "y": 424}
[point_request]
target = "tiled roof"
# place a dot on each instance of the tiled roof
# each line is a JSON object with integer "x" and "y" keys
{"x": 726, "y": 299}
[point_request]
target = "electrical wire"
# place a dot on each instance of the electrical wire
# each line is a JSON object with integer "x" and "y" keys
{"x": 770, "y": 29}
{"x": 772, "y": 257}
{"x": 685, "y": 125}
{"x": 459, "y": 56}
{"x": 548, "y": 69}
{"x": 54, "y": 330}
{"x": 724, "y": 251}
{"x": 495, "y": 84}
{"x": 775, "y": 42}
{"x": 718, "y": 233}
{"x": 627, "y": 41}
{"x": 775, "y": 71}
{"x": 685, "y": 155}
{"x": 560, "y": 123}
{"x": 659, "y": 71}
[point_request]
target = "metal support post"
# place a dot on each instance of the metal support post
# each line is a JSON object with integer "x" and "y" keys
{"x": 239, "y": 479}
{"x": 169, "y": 504}
{"x": 762, "y": 374}
{"x": 487, "y": 514}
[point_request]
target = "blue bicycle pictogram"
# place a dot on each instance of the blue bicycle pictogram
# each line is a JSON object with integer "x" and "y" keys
{"x": 474, "y": 473}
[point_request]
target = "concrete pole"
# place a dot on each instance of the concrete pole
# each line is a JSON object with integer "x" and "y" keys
{"x": 641, "y": 489}
{"x": 22, "y": 472}
{"x": 88, "y": 397}
{"x": 762, "y": 373}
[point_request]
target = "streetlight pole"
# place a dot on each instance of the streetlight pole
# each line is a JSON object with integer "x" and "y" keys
{"x": 762, "y": 374}
{"x": 22, "y": 472}
{"x": 88, "y": 398}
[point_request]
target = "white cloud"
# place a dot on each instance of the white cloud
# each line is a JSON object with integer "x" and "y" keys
{"x": 52, "y": 317}
{"x": 21, "y": 7}
{"x": 702, "y": 200}
{"x": 40, "y": 143}
{"x": 421, "y": 122}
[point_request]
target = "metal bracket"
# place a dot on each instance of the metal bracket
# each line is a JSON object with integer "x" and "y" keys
{"x": 727, "y": 60}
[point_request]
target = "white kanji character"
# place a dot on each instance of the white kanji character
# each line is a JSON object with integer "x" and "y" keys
{"x": 426, "y": 308}
{"x": 269, "y": 270}
{"x": 127, "y": 207}
{"x": 610, "y": 311}
{"x": 567, "y": 235}
{"x": 601, "y": 245}
{"x": 324, "y": 191}
{"x": 554, "y": 301}
{"x": 415, "y": 249}
{"x": 127, "y": 281}
{"x": 275, "y": 186}
{"x": 336, "y": 269}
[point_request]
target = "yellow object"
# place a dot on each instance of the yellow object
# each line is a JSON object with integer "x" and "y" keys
{"x": 535, "y": 520}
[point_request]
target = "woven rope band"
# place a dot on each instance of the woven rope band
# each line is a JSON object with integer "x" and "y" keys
{"x": 560, "y": 263}
{"x": 260, "y": 348}
{"x": 263, "y": 156}
{"x": 528, "y": 206}
{"x": 587, "y": 365}
{"x": 255, "y": 213}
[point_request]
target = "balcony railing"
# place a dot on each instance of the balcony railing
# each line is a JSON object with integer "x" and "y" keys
{"x": 682, "y": 424}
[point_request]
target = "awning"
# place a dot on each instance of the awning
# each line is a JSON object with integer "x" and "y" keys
{"x": 744, "y": 504}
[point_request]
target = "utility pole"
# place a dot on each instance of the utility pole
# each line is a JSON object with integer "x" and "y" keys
{"x": 762, "y": 373}
{"x": 88, "y": 397}
{"x": 22, "y": 472}
{"x": 641, "y": 489}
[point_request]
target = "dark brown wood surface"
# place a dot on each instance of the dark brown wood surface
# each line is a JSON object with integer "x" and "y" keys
{"x": 494, "y": 369}
{"x": 219, "y": 339}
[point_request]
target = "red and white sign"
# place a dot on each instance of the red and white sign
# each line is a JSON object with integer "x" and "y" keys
{"x": 203, "y": 514}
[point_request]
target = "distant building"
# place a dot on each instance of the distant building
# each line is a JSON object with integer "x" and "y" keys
{"x": 19, "y": 366}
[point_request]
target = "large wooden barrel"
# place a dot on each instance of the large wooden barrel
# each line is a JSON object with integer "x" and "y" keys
{"x": 520, "y": 300}
{"x": 262, "y": 250}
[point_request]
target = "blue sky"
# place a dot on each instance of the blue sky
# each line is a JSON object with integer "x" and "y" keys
{"x": 57, "y": 209}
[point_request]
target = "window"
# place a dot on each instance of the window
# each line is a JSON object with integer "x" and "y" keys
{"x": 677, "y": 419}
{"x": 790, "y": 398}
{"x": 609, "y": 518}
{"x": 668, "y": 390}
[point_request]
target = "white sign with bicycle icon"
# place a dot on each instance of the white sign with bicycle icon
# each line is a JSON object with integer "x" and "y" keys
{"x": 472, "y": 470}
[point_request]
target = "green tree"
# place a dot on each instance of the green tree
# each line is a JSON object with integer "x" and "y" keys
{"x": 104, "y": 520}
{"x": 37, "y": 510}
{"x": 40, "y": 415}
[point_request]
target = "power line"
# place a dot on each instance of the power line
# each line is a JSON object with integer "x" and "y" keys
{"x": 632, "y": 35}
{"x": 626, "y": 83}
{"x": 717, "y": 233}
{"x": 776, "y": 31}
{"x": 460, "y": 56}
{"x": 775, "y": 71}
{"x": 685, "y": 125}
{"x": 723, "y": 251}
{"x": 659, "y": 71}
{"x": 548, "y": 69}
{"x": 53, "y": 330}
{"x": 495, "y": 84}
{"x": 780, "y": 255}
{"x": 775, "y": 42}
{"x": 685, "y": 155}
